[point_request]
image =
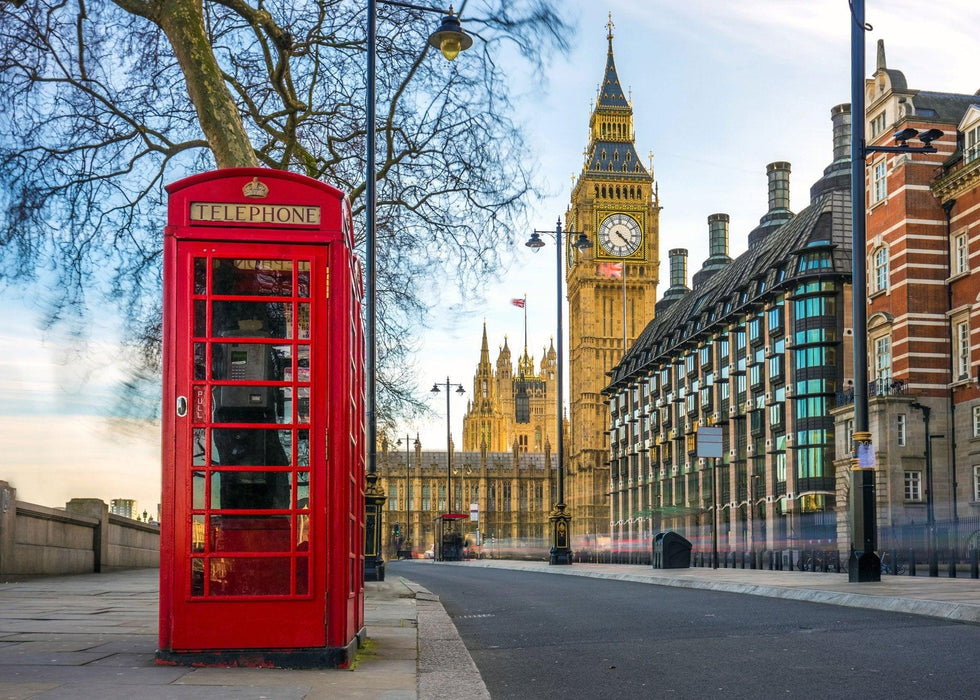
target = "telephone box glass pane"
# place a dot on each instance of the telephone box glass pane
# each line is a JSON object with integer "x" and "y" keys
{"x": 303, "y": 363}
{"x": 252, "y": 319}
{"x": 302, "y": 576}
{"x": 197, "y": 533}
{"x": 200, "y": 318}
{"x": 200, "y": 455}
{"x": 303, "y": 404}
{"x": 303, "y": 278}
{"x": 303, "y": 532}
{"x": 200, "y": 361}
{"x": 246, "y": 361}
{"x": 283, "y": 355}
{"x": 200, "y": 276}
{"x": 249, "y": 576}
{"x": 247, "y": 403}
{"x": 249, "y": 533}
{"x": 197, "y": 575}
{"x": 245, "y": 276}
{"x": 302, "y": 489}
{"x": 303, "y": 322}
{"x": 303, "y": 448}
{"x": 252, "y": 490}
{"x": 250, "y": 447}
{"x": 198, "y": 496}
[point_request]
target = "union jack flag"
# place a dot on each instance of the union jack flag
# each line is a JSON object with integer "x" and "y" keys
{"x": 613, "y": 270}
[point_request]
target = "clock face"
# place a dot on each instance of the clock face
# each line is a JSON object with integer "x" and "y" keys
{"x": 620, "y": 235}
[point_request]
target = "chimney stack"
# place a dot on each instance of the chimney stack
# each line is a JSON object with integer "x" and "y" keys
{"x": 779, "y": 213}
{"x": 678, "y": 279}
{"x": 717, "y": 249}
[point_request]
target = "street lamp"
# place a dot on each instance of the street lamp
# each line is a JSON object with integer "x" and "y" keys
{"x": 450, "y": 39}
{"x": 559, "y": 519}
{"x": 864, "y": 565}
{"x": 449, "y": 454}
{"x": 408, "y": 490}
{"x": 930, "y": 513}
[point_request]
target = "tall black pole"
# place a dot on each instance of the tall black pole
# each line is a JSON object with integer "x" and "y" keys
{"x": 373, "y": 496}
{"x": 864, "y": 564}
{"x": 714, "y": 513}
{"x": 449, "y": 455}
{"x": 561, "y": 371}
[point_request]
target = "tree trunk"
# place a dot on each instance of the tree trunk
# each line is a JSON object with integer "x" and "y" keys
{"x": 182, "y": 21}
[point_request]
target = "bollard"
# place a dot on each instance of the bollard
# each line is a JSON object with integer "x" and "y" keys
{"x": 974, "y": 564}
{"x": 911, "y": 562}
{"x": 952, "y": 562}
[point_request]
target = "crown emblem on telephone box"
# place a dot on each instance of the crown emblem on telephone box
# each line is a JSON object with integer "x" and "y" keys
{"x": 255, "y": 189}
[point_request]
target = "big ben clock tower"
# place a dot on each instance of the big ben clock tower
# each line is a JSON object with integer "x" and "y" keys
{"x": 611, "y": 288}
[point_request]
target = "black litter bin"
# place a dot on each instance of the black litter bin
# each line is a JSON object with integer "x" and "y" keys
{"x": 671, "y": 551}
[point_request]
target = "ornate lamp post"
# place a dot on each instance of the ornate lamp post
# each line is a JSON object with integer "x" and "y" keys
{"x": 864, "y": 564}
{"x": 408, "y": 491}
{"x": 450, "y": 39}
{"x": 449, "y": 455}
{"x": 560, "y": 518}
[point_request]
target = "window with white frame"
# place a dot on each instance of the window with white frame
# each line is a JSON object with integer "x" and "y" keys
{"x": 913, "y": 486}
{"x": 901, "y": 430}
{"x": 962, "y": 350}
{"x": 879, "y": 263}
{"x": 971, "y": 144}
{"x": 883, "y": 358}
{"x": 976, "y": 421}
{"x": 879, "y": 181}
{"x": 976, "y": 483}
{"x": 849, "y": 435}
{"x": 961, "y": 246}
{"x": 877, "y": 125}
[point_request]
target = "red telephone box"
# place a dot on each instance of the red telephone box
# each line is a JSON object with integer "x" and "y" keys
{"x": 263, "y": 423}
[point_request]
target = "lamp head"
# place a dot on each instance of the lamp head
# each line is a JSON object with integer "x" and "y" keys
{"x": 460, "y": 390}
{"x": 904, "y": 135}
{"x": 927, "y": 137}
{"x": 535, "y": 243}
{"x": 450, "y": 38}
{"x": 582, "y": 243}
{"x": 435, "y": 389}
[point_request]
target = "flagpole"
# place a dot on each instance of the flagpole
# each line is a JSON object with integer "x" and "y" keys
{"x": 624, "y": 308}
{"x": 525, "y": 320}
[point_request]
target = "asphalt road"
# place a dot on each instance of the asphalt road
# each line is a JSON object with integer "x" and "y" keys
{"x": 545, "y": 636}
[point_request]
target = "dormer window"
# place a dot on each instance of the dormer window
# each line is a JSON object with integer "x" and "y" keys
{"x": 877, "y": 125}
{"x": 971, "y": 144}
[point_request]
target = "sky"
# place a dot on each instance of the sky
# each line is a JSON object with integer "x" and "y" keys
{"x": 720, "y": 89}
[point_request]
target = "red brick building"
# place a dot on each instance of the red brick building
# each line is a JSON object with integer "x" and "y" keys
{"x": 923, "y": 241}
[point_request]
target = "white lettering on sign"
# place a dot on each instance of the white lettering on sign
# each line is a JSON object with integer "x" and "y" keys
{"x": 282, "y": 214}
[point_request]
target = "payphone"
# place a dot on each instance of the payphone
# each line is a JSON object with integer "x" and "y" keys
{"x": 263, "y": 452}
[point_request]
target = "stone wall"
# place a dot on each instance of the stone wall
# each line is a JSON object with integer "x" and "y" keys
{"x": 83, "y": 538}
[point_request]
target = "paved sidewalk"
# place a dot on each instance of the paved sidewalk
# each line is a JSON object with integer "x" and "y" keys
{"x": 95, "y": 636}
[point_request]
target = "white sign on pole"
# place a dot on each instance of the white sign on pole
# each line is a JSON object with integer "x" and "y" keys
{"x": 474, "y": 512}
{"x": 709, "y": 442}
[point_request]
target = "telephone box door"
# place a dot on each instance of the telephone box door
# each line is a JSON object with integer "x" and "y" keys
{"x": 250, "y": 470}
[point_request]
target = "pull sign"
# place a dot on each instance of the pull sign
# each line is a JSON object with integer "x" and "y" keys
{"x": 181, "y": 406}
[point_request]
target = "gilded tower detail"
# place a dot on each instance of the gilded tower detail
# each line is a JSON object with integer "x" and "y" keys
{"x": 611, "y": 290}
{"x": 512, "y": 412}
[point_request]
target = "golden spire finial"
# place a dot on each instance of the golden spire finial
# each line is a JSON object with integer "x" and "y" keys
{"x": 610, "y": 25}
